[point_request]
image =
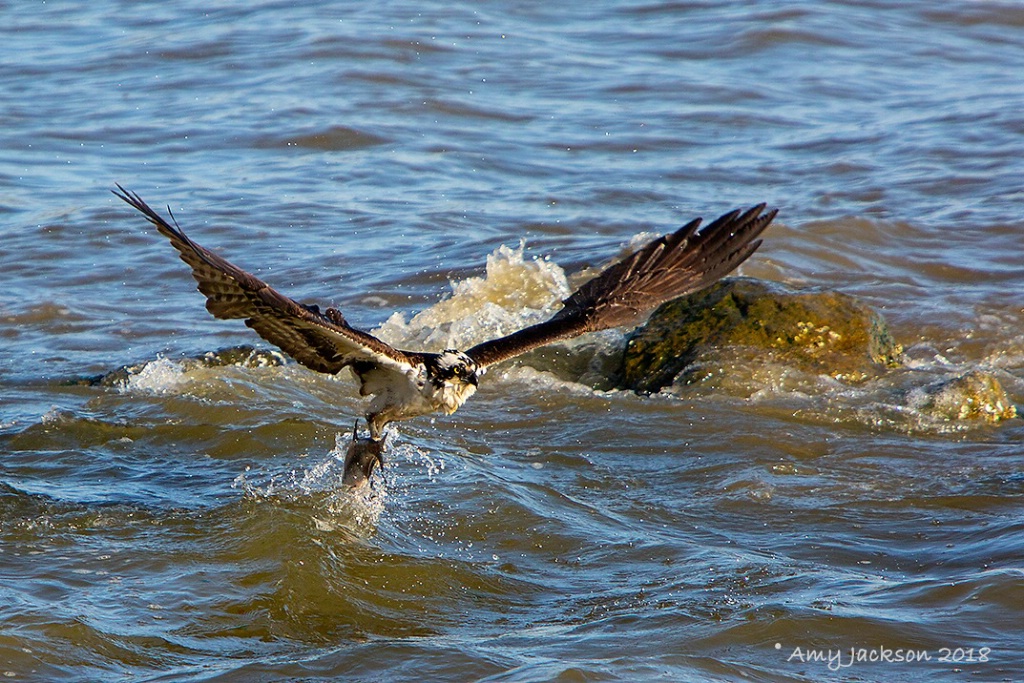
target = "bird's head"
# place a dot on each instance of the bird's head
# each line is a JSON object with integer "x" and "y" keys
{"x": 454, "y": 367}
{"x": 456, "y": 375}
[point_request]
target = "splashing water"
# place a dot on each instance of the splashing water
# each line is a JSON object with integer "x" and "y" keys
{"x": 320, "y": 487}
{"x": 331, "y": 504}
{"x": 161, "y": 376}
{"x": 514, "y": 292}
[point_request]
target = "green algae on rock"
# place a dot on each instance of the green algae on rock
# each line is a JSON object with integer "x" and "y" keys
{"x": 826, "y": 333}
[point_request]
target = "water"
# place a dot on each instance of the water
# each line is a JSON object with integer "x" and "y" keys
{"x": 187, "y": 524}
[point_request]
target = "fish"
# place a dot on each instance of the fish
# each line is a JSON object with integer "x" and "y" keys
{"x": 363, "y": 456}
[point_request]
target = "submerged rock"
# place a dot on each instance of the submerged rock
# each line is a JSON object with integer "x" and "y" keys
{"x": 975, "y": 395}
{"x": 824, "y": 333}
{"x": 244, "y": 356}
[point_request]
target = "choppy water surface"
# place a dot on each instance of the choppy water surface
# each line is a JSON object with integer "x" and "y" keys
{"x": 187, "y": 523}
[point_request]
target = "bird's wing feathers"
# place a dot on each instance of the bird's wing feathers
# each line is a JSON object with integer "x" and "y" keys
{"x": 676, "y": 264}
{"x": 671, "y": 266}
{"x": 321, "y": 342}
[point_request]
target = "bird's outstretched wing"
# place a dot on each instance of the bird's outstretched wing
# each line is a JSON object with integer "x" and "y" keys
{"x": 324, "y": 342}
{"x": 679, "y": 263}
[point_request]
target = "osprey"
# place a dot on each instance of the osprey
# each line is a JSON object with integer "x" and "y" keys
{"x": 407, "y": 384}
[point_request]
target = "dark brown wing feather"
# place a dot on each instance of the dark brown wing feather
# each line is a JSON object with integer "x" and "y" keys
{"x": 680, "y": 263}
{"x": 325, "y": 343}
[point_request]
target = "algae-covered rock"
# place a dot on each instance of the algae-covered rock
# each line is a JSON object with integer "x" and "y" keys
{"x": 975, "y": 395}
{"x": 826, "y": 333}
